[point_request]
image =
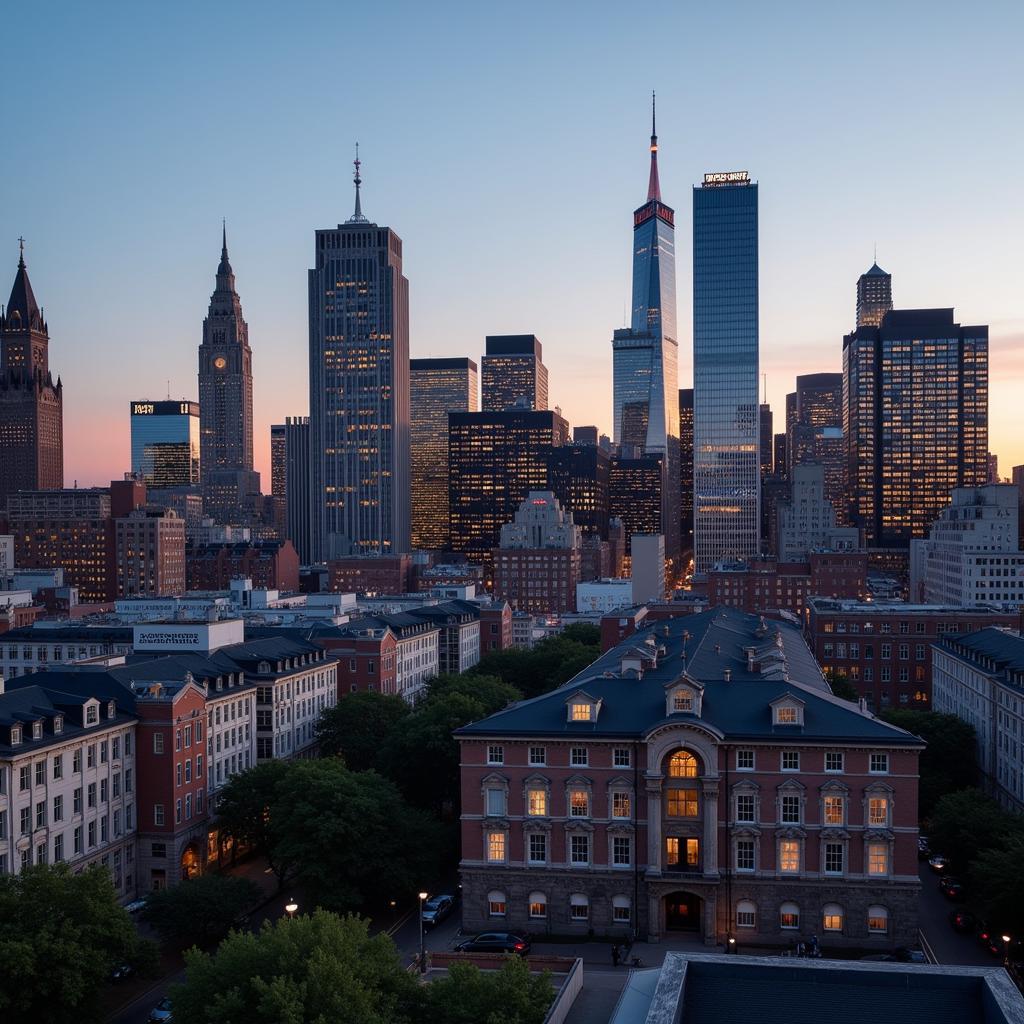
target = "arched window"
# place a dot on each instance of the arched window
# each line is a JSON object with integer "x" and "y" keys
{"x": 579, "y": 907}
{"x": 878, "y": 920}
{"x": 620, "y": 909}
{"x": 496, "y": 903}
{"x": 789, "y": 916}
{"x": 746, "y": 914}
{"x": 538, "y": 905}
{"x": 832, "y": 917}
{"x": 682, "y": 765}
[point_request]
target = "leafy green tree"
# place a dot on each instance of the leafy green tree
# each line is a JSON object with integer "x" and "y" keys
{"x": 356, "y": 728}
{"x": 966, "y": 822}
{"x": 841, "y": 685}
{"x": 492, "y": 693}
{"x": 321, "y": 969}
{"x": 948, "y": 763}
{"x": 584, "y": 633}
{"x": 60, "y": 936}
{"x": 547, "y": 666}
{"x": 202, "y": 910}
{"x": 351, "y": 837}
{"x": 243, "y": 810}
{"x": 470, "y": 996}
{"x": 1000, "y": 883}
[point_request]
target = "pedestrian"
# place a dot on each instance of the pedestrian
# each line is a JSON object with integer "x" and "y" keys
{"x": 616, "y": 955}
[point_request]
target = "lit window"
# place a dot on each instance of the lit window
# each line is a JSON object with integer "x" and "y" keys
{"x": 834, "y": 810}
{"x": 579, "y": 803}
{"x": 579, "y": 907}
{"x": 581, "y": 712}
{"x": 832, "y": 917}
{"x": 787, "y": 716}
{"x": 789, "y": 916}
{"x": 789, "y": 856}
{"x": 878, "y": 920}
{"x": 682, "y": 803}
{"x": 878, "y": 859}
{"x": 682, "y": 765}
{"x": 538, "y": 905}
{"x": 621, "y": 909}
{"x": 746, "y": 914}
{"x": 496, "y": 903}
{"x": 620, "y": 805}
{"x": 536, "y": 802}
{"x": 878, "y": 810}
{"x": 496, "y": 847}
{"x": 682, "y": 700}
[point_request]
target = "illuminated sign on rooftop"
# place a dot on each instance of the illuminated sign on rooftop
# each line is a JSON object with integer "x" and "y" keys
{"x": 727, "y": 178}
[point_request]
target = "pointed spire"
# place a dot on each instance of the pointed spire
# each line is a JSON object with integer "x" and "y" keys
{"x": 357, "y": 217}
{"x": 23, "y": 301}
{"x": 654, "y": 185}
{"x": 224, "y": 269}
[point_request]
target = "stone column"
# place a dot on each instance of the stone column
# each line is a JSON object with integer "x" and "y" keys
{"x": 654, "y": 910}
{"x": 654, "y": 782}
{"x": 710, "y": 789}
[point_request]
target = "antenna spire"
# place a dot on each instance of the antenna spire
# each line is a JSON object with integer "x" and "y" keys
{"x": 21, "y": 251}
{"x": 653, "y": 184}
{"x": 357, "y": 217}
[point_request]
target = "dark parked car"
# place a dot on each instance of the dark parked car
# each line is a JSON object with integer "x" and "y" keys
{"x": 938, "y": 863}
{"x": 436, "y": 909}
{"x": 911, "y": 956}
{"x": 161, "y": 1013}
{"x": 963, "y": 921}
{"x": 121, "y": 972}
{"x": 952, "y": 888}
{"x": 495, "y": 942}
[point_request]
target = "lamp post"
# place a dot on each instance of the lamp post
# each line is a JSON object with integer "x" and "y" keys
{"x": 290, "y": 907}
{"x": 1006, "y": 950}
{"x": 732, "y": 945}
{"x": 423, "y": 954}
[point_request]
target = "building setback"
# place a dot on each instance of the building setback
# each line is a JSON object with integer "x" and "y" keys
{"x": 698, "y": 777}
{"x": 513, "y": 373}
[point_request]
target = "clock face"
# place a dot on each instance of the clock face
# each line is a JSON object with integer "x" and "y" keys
{"x": 220, "y": 362}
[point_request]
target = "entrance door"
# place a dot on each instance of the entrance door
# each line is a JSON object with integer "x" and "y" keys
{"x": 682, "y": 912}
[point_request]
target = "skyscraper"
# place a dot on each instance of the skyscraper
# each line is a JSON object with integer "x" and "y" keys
{"x": 766, "y": 435}
{"x": 31, "y": 404}
{"x": 874, "y": 296}
{"x": 645, "y": 355}
{"x": 726, "y": 461}
{"x": 513, "y": 373}
{"x": 359, "y": 390}
{"x": 915, "y": 420}
{"x": 437, "y": 387}
{"x": 578, "y": 475}
{"x": 278, "y": 473}
{"x": 225, "y": 402}
{"x": 165, "y": 443}
{"x": 298, "y": 519}
{"x": 686, "y": 467}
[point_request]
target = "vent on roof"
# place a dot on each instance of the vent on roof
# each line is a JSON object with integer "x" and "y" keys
{"x": 727, "y": 675}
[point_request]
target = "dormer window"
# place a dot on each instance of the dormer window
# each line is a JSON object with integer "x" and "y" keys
{"x": 111, "y": 710}
{"x": 682, "y": 700}
{"x": 92, "y": 714}
{"x": 581, "y": 707}
{"x": 15, "y": 735}
{"x": 787, "y": 710}
{"x": 787, "y": 716}
{"x": 580, "y": 711}
{"x": 37, "y": 730}
{"x": 58, "y": 724}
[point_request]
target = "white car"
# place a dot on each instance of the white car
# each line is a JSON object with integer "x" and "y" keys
{"x": 161, "y": 1013}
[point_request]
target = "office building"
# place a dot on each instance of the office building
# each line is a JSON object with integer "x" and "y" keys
{"x": 370, "y": 574}
{"x": 644, "y": 799}
{"x": 874, "y": 296}
{"x": 149, "y": 553}
{"x": 686, "y": 468}
{"x": 437, "y": 387}
{"x": 726, "y": 444}
{"x": 298, "y": 497}
{"x": 270, "y": 564}
{"x": 513, "y": 374}
{"x": 578, "y": 474}
{"x": 604, "y": 595}
{"x": 495, "y": 459}
{"x": 31, "y": 403}
{"x": 780, "y": 455}
{"x": 645, "y": 355}
{"x": 358, "y": 390}
{"x": 766, "y": 438}
{"x": 647, "y": 567}
{"x": 635, "y": 491}
{"x": 915, "y": 420}
{"x": 807, "y": 520}
{"x": 165, "y": 443}
{"x": 585, "y": 435}
{"x": 279, "y": 474}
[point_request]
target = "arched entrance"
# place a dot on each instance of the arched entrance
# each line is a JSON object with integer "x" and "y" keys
{"x": 682, "y": 912}
{"x": 190, "y": 861}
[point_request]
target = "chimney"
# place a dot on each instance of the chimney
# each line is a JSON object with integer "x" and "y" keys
{"x": 727, "y": 675}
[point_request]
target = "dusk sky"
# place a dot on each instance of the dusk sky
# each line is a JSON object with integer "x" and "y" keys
{"x": 507, "y": 146}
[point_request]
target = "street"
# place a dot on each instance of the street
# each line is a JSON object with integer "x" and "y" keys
{"x": 949, "y": 947}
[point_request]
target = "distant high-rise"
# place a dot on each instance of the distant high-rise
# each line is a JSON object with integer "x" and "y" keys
{"x": 646, "y": 354}
{"x": 359, "y": 390}
{"x": 231, "y": 487}
{"x": 437, "y": 387}
{"x": 298, "y": 519}
{"x": 31, "y": 404}
{"x": 635, "y": 495}
{"x": 513, "y": 373}
{"x": 726, "y": 443}
{"x": 819, "y": 399}
{"x": 874, "y": 296}
{"x": 915, "y": 420}
{"x": 585, "y": 435}
{"x": 686, "y": 467}
{"x": 766, "y": 436}
{"x": 780, "y": 454}
{"x": 278, "y": 458}
{"x": 578, "y": 475}
{"x": 165, "y": 442}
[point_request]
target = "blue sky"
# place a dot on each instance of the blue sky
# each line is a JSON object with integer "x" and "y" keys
{"x": 507, "y": 145}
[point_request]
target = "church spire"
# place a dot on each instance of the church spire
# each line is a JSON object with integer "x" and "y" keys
{"x": 653, "y": 185}
{"x": 22, "y": 303}
{"x": 357, "y": 217}
{"x": 224, "y": 270}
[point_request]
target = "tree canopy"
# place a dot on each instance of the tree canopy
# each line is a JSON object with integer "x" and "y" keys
{"x": 202, "y": 910}
{"x": 471, "y": 996}
{"x": 967, "y": 822}
{"x": 547, "y": 666}
{"x": 357, "y": 726}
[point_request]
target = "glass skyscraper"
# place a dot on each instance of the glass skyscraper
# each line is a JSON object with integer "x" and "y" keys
{"x": 165, "y": 443}
{"x": 645, "y": 355}
{"x": 726, "y": 444}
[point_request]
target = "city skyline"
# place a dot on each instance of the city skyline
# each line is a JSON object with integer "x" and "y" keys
{"x": 144, "y": 194}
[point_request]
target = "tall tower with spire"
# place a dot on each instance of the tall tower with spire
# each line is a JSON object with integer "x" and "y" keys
{"x": 645, "y": 355}
{"x": 31, "y": 404}
{"x": 358, "y": 389}
{"x": 874, "y": 296}
{"x": 225, "y": 402}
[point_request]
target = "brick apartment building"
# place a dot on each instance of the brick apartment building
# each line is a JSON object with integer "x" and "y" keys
{"x": 370, "y": 574}
{"x": 270, "y": 564}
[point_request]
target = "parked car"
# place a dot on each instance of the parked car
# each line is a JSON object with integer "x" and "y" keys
{"x": 924, "y": 851}
{"x": 911, "y": 956}
{"x": 950, "y": 887}
{"x": 436, "y": 909}
{"x": 495, "y": 942}
{"x": 161, "y": 1013}
{"x": 938, "y": 863}
{"x": 135, "y": 906}
{"x": 121, "y": 972}
{"x": 963, "y": 921}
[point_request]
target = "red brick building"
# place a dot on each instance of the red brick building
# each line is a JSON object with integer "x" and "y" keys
{"x": 537, "y": 580}
{"x": 495, "y": 627}
{"x": 149, "y": 553}
{"x": 370, "y": 574}
{"x": 270, "y": 564}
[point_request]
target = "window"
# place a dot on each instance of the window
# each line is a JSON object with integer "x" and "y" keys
{"x": 40, "y": 813}
{"x": 538, "y": 848}
{"x": 745, "y": 807}
{"x": 620, "y": 804}
{"x": 834, "y": 810}
{"x": 833, "y": 761}
{"x": 77, "y": 840}
{"x": 538, "y": 755}
{"x": 579, "y": 907}
{"x": 495, "y": 802}
{"x": 26, "y": 820}
{"x": 103, "y": 751}
{"x": 495, "y": 754}
{"x": 158, "y": 743}
{"x": 682, "y": 765}
{"x": 878, "y": 810}
{"x": 879, "y": 764}
{"x": 621, "y": 909}
{"x": 622, "y": 851}
{"x": 791, "y": 760}
{"x": 878, "y": 859}
{"x": 177, "y": 812}
{"x": 538, "y": 906}
{"x": 90, "y": 798}
{"x": 159, "y": 850}
{"x": 744, "y": 854}
{"x": 77, "y": 804}
{"x": 496, "y": 847}
{"x": 40, "y": 773}
{"x": 578, "y": 757}
{"x": 832, "y": 917}
{"x": 580, "y": 711}
{"x": 76, "y": 761}
{"x": 746, "y": 914}
{"x": 58, "y": 808}
{"x": 537, "y": 802}
{"x": 682, "y": 803}
{"x": 790, "y": 808}
{"x": 579, "y": 849}
{"x": 90, "y": 756}
{"x": 496, "y": 903}
{"x": 789, "y": 916}
{"x": 789, "y": 856}
{"x": 682, "y": 700}
{"x": 834, "y": 858}
{"x": 579, "y": 803}
{"x": 621, "y": 757}
{"x": 24, "y": 778}
{"x": 878, "y": 920}
{"x": 787, "y": 715}
{"x": 744, "y": 760}
{"x": 58, "y": 766}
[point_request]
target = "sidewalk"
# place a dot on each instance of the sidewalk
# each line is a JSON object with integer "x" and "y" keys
{"x": 599, "y": 954}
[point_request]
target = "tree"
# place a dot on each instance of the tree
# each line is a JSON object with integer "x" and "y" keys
{"x": 1000, "y": 882}
{"x": 243, "y": 810}
{"x": 492, "y": 693}
{"x": 509, "y": 996}
{"x": 200, "y": 911}
{"x": 321, "y": 969}
{"x": 60, "y": 936}
{"x": 356, "y": 728}
{"x": 548, "y": 665}
{"x": 948, "y": 763}
{"x": 965, "y": 822}
{"x": 841, "y": 685}
{"x": 584, "y": 633}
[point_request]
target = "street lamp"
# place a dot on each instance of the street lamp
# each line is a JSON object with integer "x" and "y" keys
{"x": 423, "y": 954}
{"x": 732, "y": 944}
{"x": 291, "y": 907}
{"x": 1006, "y": 950}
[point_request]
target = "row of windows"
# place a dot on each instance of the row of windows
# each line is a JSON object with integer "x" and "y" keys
{"x": 579, "y": 906}
{"x": 833, "y": 918}
{"x": 834, "y": 862}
